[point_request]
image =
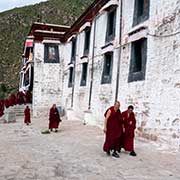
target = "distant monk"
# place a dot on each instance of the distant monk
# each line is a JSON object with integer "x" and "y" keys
{"x": 113, "y": 129}
{"x": 12, "y": 100}
{"x": 27, "y": 116}
{"x": 6, "y": 103}
{"x": 28, "y": 97}
{"x": 54, "y": 118}
{"x": 1, "y": 108}
{"x": 130, "y": 126}
{"x": 20, "y": 98}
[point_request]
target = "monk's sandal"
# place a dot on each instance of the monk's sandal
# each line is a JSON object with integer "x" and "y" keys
{"x": 114, "y": 154}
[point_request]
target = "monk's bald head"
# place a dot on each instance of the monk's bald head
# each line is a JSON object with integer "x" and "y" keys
{"x": 117, "y": 105}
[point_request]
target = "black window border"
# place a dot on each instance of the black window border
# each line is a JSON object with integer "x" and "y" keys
{"x": 138, "y": 76}
{"x": 108, "y": 80}
{"x": 70, "y": 81}
{"x": 46, "y": 48}
{"x": 86, "y": 50}
{"x": 73, "y": 49}
{"x": 110, "y": 38}
{"x": 140, "y": 19}
{"x": 84, "y": 82}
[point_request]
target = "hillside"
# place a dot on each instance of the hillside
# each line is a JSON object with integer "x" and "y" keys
{"x": 15, "y": 25}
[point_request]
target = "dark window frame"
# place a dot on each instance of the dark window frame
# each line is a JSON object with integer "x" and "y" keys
{"x": 84, "y": 74}
{"x": 111, "y": 26}
{"x": 87, "y": 40}
{"x": 46, "y": 53}
{"x": 139, "y": 14}
{"x": 107, "y": 73}
{"x": 137, "y": 72}
{"x": 73, "y": 49}
{"x": 71, "y": 73}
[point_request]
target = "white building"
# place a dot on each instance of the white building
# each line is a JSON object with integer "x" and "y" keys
{"x": 118, "y": 49}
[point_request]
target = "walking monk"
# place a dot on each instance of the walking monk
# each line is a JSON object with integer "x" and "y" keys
{"x": 113, "y": 129}
{"x": 27, "y": 116}
{"x": 54, "y": 118}
{"x": 130, "y": 126}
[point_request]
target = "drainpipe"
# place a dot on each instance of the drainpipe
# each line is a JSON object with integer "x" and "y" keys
{"x": 92, "y": 66}
{"x": 74, "y": 74}
{"x": 119, "y": 55}
{"x": 72, "y": 96}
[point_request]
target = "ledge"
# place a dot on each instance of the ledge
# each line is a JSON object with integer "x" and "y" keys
{"x": 138, "y": 34}
{"x": 70, "y": 38}
{"x": 107, "y": 48}
{"x": 85, "y": 26}
{"x": 50, "y": 41}
{"x": 143, "y": 25}
{"x": 109, "y": 5}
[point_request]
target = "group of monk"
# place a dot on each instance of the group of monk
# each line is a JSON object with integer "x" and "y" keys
{"x": 15, "y": 99}
{"x": 119, "y": 129}
{"x": 54, "y": 118}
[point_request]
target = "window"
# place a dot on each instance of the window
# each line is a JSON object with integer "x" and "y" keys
{"x": 111, "y": 25}
{"x": 138, "y": 60}
{"x": 87, "y": 41}
{"x": 73, "y": 51}
{"x": 71, "y": 72}
{"x": 107, "y": 70}
{"x": 51, "y": 53}
{"x": 141, "y": 11}
{"x": 84, "y": 74}
{"x": 26, "y": 78}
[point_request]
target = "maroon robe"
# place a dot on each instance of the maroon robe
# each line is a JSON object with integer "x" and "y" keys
{"x": 12, "y": 100}
{"x": 54, "y": 118}
{"x": 1, "y": 108}
{"x": 28, "y": 97}
{"x": 114, "y": 130}
{"x": 6, "y": 103}
{"x": 20, "y": 98}
{"x": 130, "y": 126}
{"x": 27, "y": 116}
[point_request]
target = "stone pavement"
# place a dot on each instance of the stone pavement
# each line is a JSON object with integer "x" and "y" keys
{"x": 75, "y": 153}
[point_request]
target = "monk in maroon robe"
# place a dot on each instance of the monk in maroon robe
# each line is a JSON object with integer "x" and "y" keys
{"x": 12, "y": 100}
{"x": 6, "y": 103}
{"x": 1, "y": 108}
{"x": 54, "y": 118}
{"x": 113, "y": 129}
{"x": 28, "y": 97}
{"x": 130, "y": 126}
{"x": 27, "y": 115}
{"x": 20, "y": 98}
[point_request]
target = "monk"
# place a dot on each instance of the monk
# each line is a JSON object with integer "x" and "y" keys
{"x": 20, "y": 98}
{"x": 27, "y": 116}
{"x": 28, "y": 97}
{"x": 6, "y": 103}
{"x": 12, "y": 100}
{"x": 1, "y": 108}
{"x": 113, "y": 129}
{"x": 130, "y": 126}
{"x": 54, "y": 118}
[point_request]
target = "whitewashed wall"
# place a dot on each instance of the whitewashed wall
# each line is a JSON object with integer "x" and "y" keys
{"x": 156, "y": 99}
{"x": 47, "y": 82}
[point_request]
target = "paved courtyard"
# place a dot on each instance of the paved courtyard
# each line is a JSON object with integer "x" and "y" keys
{"x": 75, "y": 153}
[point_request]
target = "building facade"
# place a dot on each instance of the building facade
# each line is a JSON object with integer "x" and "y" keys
{"x": 124, "y": 50}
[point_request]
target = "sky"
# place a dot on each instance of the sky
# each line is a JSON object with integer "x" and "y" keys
{"x": 10, "y": 4}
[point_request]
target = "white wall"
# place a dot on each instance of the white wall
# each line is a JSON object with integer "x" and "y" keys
{"x": 156, "y": 99}
{"x": 47, "y": 82}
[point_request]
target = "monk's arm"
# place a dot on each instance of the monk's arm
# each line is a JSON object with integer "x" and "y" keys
{"x": 106, "y": 119}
